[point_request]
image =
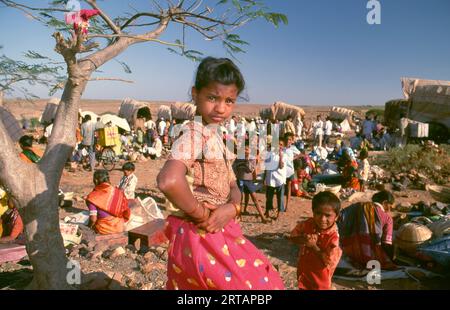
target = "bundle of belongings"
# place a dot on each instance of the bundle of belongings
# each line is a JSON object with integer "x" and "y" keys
{"x": 423, "y": 235}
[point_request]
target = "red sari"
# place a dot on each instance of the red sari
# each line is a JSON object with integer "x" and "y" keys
{"x": 113, "y": 201}
{"x": 350, "y": 175}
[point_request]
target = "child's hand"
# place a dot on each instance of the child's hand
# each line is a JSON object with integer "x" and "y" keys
{"x": 218, "y": 218}
{"x": 311, "y": 240}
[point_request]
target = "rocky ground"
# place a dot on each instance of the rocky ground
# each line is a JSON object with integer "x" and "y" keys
{"x": 135, "y": 267}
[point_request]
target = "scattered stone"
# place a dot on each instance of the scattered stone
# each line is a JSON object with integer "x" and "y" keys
{"x": 118, "y": 252}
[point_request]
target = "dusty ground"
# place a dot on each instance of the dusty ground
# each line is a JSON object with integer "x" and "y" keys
{"x": 145, "y": 269}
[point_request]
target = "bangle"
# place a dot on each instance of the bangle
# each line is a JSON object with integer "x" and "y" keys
{"x": 194, "y": 209}
{"x": 237, "y": 207}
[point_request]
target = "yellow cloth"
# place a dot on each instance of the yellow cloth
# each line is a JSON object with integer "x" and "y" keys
{"x": 3, "y": 206}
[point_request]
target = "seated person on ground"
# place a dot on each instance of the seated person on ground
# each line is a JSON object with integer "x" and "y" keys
{"x": 108, "y": 206}
{"x": 366, "y": 229}
{"x": 29, "y": 153}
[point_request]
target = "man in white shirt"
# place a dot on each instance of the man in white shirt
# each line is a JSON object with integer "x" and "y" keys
{"x": 290, "y": 152}
{"x": 150, "y": 124}
{"x": 275, "y": 179}
{"x": 161, "y": 127}
{"x": 318, "y": 131}
{"x": 232, "y": 125}
{"x": 327, "y": 132}
{"x": 299, "y": 127}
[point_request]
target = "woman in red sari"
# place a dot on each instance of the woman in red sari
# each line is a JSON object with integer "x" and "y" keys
{"x": 350, "y": 172}
{"x": 108, "y": 206}
{"x": 207, "y": 248}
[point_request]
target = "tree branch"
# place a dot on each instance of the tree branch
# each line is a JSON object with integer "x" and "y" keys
{"x": 136, "y": 16}
{"x": 110, "y": 79}
{"x": 135, "y": 37}
{"x": 10, "y": 161}
{"x": 105, "y": 17}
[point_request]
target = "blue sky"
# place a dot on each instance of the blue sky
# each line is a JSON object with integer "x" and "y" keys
{"x": 326, "y": 55}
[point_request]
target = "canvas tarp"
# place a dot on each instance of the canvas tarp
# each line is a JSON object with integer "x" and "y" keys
{"x": 183, "y": 110}
{"x": 338, "y": 113}
{"x": 164, "y": 112}
{"x": 130, "y": 108}
{"x": 430, "y": 100}
{"x": 49, "y": 113}
{"x": 345, "y": 126}
{"x": 281, "y": 111}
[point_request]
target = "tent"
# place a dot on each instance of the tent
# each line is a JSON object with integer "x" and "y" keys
{"x": 92, "y": 114}
{"x": 131, "y": 110}
{"x": 281, "y": 111}
{"x": 183, "y": 110}
{"x": 164, "y": 112}
{"x": 11, "y": 124}
{"x": 345, "y": 125}
{"x": 338, "y": 113}
{"x": 116, "y": 121}
{"x": 49, "y": 113}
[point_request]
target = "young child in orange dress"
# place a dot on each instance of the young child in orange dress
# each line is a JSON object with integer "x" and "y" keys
{"x": 318, "y": 238}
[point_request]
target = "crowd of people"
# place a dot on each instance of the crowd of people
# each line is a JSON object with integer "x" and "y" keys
{"x": 207, "y": 247}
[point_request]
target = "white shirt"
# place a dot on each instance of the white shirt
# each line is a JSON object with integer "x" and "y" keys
{"x": 128, "y": 185}
{"x": 162, "y": 127}
{"x": 150, "y": 124}
{"x": 232, "y": 126}
{"x": 364, "y": 169}
{"x": 288, "y": 158}
{"x": 277, "y": 176}
{"x": 318, "y": 128}
{"x": 299, "y": 127}
{"x": 156, "y": 149}
{"x": 328, "y": 128}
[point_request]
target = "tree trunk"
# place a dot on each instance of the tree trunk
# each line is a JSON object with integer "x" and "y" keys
{"x": 45, "y": 246}
{"x": 1, "y": 98}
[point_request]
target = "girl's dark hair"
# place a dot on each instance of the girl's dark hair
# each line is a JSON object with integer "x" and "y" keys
{"x": 101, "y": 176}
{"x": 383, "y": 196}
{"x": 128, "y": 166}
{"x": 326, "y": 198}
{"x": 221, "y": 70}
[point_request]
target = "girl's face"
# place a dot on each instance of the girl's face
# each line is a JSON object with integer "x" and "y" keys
{"x": 215, "y": 102}
{"x": 324, "y": 217}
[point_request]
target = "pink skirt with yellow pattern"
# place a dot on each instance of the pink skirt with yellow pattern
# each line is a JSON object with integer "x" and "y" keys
{"x": 220, "y": 261}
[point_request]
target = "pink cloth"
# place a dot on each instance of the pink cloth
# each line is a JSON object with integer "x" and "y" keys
{"x": 220, "y": 261}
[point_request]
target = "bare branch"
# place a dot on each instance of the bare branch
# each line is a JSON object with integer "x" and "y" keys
{"x": 19, "y": 5}
{"x": 9, "y": 161}
{"x": 110, "y": 79}
{"x": 135, "y": 37}
{"x": 105, "y": 17}
{"x": 136, "y": 16}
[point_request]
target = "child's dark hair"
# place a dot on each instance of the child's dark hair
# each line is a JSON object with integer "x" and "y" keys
{"x": 128, "y": 166}
{"x": 288, "y": 135}
{"x": 26, "y": 141}
{"x": 326, "y": 198}
{"x": 383, "y": 196}
{"x": 101, "y": 176}
{"x": 221, "y": 70}
{"x": 363, "y": 154}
